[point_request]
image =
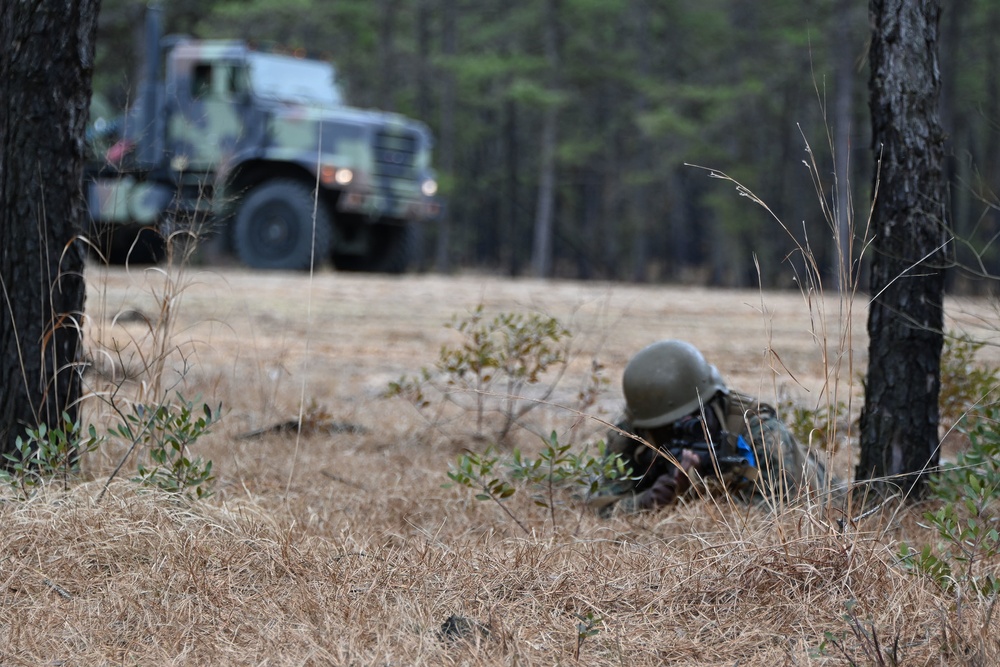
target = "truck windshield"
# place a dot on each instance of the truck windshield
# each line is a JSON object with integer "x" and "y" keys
{"x": 294, "y": 79}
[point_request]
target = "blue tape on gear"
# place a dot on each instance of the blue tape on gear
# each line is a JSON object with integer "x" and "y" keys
{"x": 746, "y": 450}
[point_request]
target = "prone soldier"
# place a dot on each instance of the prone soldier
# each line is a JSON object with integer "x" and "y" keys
{"x": 697, "y": 429}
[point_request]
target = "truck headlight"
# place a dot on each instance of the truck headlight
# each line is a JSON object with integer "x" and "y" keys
{"x": 429, "y": 187}
{"x": 344, "y": 176}
{"x": 339, "y": 175}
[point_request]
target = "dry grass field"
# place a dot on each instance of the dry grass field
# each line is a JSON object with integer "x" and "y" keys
{"x": 339, "y": 545}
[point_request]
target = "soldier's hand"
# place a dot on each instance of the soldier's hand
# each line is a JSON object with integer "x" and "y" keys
{"x": 662, "y": 493}
{"x": 689, "y": 461}
{"x": 669, "y": 485}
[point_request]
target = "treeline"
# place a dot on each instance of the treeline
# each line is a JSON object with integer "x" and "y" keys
{"x": 566, "y": 129}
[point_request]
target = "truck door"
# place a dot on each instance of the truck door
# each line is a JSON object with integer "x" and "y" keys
{"x": 207, "y": 126}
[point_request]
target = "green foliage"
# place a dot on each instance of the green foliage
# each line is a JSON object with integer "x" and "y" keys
{"x": 965, "y": 384}
{"x": 815, "y": 426}
{"x": 588, "y": 626}
{"x": 47, "y": 453}
{"x": 557, "y": 470}
{"x": 475, "y": 471}
{"x": 866, "y": 648}
{"x": 967, "y": 521}
{"x": 489, "y": 371}
{"x": 975, "y": 474}
{"x": 968, "y": 560}
{"x": 168, "y": 431}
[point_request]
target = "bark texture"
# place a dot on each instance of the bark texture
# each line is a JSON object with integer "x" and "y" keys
{"x": 899, "y": 424}
{"x": 46, "y": 63}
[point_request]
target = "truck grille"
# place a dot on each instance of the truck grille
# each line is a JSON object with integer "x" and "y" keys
{"x": 395, "y": 155}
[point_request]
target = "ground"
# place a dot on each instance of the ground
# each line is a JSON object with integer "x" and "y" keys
{"x": 340, "y": 544}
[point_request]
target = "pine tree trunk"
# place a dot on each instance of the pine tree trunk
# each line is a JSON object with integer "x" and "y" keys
{"x": 449, "y": 20}
{"x": 899, "y": 424}
{"x": 843, "y": 57}
{"x": 387, "y": 54}
{"x": 46, "y": 61}
{"x": 541, "y": 250}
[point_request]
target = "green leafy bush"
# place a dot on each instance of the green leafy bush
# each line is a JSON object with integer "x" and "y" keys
{"x": 967, "y": 520}
{"x": 966, "y": 386}
{"x": 475, "y": 471}
{"x": 489, "y": 371}
{"x": 861, "y": 644}
{"x": 558, "y": 468}
{"x": 47, "y": 453}
{"x": 168, "y": 431}
{"x": 966, "y": 561}
{"x": 556, "y": 473}
{"x": 819, "y": 427}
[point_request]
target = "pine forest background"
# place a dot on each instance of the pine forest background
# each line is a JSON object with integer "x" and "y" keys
{"x": 588, "y": 113}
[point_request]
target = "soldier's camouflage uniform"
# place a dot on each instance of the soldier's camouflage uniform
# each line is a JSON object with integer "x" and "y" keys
{"x": 784, "y": 469}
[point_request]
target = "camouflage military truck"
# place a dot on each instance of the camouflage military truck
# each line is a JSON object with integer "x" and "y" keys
{"x": 260, "y": 147}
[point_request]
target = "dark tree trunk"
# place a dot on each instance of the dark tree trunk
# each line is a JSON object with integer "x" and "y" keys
{"x": 643, "y": 162}
{"x": 46, "y": 64}
{"x": 899, "y": 424}
{"x": 449, "y": 30}
{"x": 510, "y": 209}
{"x": 387, "y": 54}
{"x": 424, "y": 73}
{"x": 844, "y": 55}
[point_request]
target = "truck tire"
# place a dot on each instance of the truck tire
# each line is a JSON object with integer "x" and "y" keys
{"x": 273, "y": 228}
{"x": 390, "y": 250}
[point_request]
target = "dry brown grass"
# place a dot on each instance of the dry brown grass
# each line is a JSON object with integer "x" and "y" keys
{"x": 340, "y": 546}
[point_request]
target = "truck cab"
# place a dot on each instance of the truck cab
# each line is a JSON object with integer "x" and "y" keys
{"x": 259, "y": 147}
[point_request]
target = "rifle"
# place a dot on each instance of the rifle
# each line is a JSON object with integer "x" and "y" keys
{"x": 712, "y": 460}
{"x": 690, "y": 433}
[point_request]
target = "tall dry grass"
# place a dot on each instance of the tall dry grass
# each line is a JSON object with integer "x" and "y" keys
{"x": 340, "y": 546}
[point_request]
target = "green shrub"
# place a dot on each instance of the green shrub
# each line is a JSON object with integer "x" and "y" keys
{"x": 168, "y": 431}
{"x": 489, "y": 371}
{"x": 47, "y": 453}
{"x": 966, "y": 386}
{"x": 967, "y": 520}
{"x": 818, "y": 427}
{"x": 475, "y": 471}
{"x": 966, "y": 560}
{"x": 556, "y": 473}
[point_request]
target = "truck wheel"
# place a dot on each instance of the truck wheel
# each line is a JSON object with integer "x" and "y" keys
{"x": 273, "y": 228}
{"x": 390, "y": 250}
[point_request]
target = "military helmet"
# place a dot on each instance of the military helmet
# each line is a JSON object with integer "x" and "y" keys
{"x": 667, "y": 380}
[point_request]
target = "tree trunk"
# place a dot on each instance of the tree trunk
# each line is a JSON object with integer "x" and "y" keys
{"x": 541, "y": 251}
{"x": 843, "y": 112}
{"x": 387, "y": 54}
{"x": 899, "y": 424}
{"x": 643, "y": 162}
{"x": 46, "y": 64}
{"x": 449, "y": 18}
{"x": 510, "y": 209}
{"x": 424, "y": 75}
{"x": 960, "y": 130}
